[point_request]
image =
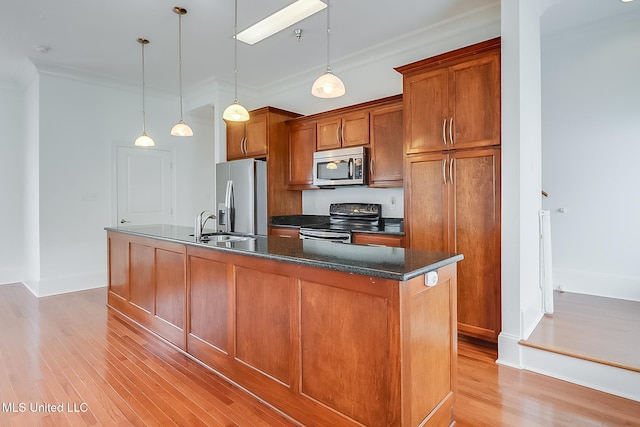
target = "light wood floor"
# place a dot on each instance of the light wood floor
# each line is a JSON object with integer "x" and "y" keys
{"x": 70, "y": 350}
{"x": 598, "y": 329}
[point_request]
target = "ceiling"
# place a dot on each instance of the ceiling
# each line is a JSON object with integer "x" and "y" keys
{"x": 98, "y": 38}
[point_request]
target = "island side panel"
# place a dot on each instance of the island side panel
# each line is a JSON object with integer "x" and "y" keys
{"x": 429, "y": 340}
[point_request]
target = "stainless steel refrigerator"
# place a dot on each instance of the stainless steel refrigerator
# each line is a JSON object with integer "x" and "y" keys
{"x": 241, "y": 196}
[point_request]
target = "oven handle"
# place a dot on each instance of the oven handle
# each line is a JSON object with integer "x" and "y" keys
{"x": 334, "y": 236}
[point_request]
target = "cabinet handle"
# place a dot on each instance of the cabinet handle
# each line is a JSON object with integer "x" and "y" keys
{"x": 338, "y": 134}
{"x": 444, "y": 131}
{"x": 451, "y": 130}
{"x": 444, "y": 169}
{"x": 245, "y": 145}
{"x": 342, "y": 134}
{"x": 450, "y": 171}
{"x": 371, "y": 167}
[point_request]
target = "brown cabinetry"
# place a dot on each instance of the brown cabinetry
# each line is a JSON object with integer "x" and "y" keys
{"x": 376, "y": 124}
{"x": 452, "y": 173}
{"x": 347, "y": 130}
{"x": 302, "y": 145}
{"x": 265, "y": 136}
{"x": 249, "y": 139}
{"x": 453, "y": 100}
{"x": 386, "y": 160}
{"x": 284, "y": 232}
{"x": 147, "y": 282}
{"x": 453, "y": 205}
{"x": 378, "y": 239}
{"x": 325, "y": 347}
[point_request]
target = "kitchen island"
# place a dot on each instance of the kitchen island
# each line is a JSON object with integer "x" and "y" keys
{"x": 326, "y": 333}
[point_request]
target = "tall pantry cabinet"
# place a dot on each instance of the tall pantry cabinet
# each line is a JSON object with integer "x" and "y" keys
{"x": 452, "y": 173}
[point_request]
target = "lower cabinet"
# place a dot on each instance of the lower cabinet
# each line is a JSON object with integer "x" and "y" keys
{"x": 452, "y": 201}
{"x": 147, "y": 282}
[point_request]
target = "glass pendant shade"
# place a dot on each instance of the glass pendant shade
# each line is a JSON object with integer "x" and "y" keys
{"x": 181, "y": 129}
{"x": 144, "y": 140}
{"x": 235, "y": 113}
{"x": 328, "y": 85}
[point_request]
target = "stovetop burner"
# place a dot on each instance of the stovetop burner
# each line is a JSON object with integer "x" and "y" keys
{"x": 355, "y": 214}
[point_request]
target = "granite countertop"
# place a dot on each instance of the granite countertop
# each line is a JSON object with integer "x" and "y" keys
{"x": 387, "y": 225}
{"x": 376, "y": 261}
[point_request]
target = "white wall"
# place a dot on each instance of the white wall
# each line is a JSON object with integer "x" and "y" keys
{"x": 591, "y": 147}
{"x": 73, "y": 125}
{"x": 11, "y": 191}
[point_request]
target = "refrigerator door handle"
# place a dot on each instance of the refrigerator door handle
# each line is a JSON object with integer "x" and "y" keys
{"x": 229, "y": 204}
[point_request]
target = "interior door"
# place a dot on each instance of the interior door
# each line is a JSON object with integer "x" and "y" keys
{"x": 144, "y": 186}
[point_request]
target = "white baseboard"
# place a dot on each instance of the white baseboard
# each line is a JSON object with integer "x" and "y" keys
{"x": 604, "y": 285}
{"x": 62, "y": 285}
{"x": 508, "y": 350}
{"x": 616, "y": 381}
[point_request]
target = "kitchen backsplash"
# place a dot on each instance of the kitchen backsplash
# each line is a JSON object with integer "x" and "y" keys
{"x": 316, "y": 202}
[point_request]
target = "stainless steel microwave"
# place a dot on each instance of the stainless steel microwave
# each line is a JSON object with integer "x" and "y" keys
{"x": 343, "y": 166}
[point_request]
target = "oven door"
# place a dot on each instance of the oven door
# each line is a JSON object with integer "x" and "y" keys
{"x": 324, "y": 234}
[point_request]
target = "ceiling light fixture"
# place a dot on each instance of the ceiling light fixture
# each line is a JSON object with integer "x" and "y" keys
{"x": 143, "y": 140}
{"x": 235, "y": 112}
{"x": 181, "y": 128}
{"x": 280, "y": 20}
{"x": 328, "y": 85}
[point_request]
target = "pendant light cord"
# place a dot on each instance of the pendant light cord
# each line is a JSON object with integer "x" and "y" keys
{"x": 235, "y": 50}
{"x": 180, "y": 58}
{"x": 144, "y": 116}
{"x": 328, "y": 33}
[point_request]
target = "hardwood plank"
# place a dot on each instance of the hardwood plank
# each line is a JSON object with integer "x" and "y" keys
{"x": 593, "y": 328}
{"x": 71, "y": 348}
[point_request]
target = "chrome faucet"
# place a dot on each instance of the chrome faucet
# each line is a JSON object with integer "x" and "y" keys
{"x": 201, "y": 220}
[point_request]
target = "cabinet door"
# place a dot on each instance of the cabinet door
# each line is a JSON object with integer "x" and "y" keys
{"x": 475, "y": 102}
{"x": 426, "y": 111}
{"x": 302, "y": 144}
{"x": 235, "y": 140}
{"x": 256, "y": 134}
{"x": 328, "y": 134}
{"x": 476, "y": 187}
{"x": 354, "y": 129}
{"x": 427, "y": 202}
{"x": 386, "y": 162}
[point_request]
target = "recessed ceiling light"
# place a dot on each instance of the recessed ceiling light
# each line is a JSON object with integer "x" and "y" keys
{"x": 280, "y": 20}
{"x": 626, "y": 1}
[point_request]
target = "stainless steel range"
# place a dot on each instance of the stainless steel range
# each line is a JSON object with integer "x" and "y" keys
{"x": 343, "y": 219}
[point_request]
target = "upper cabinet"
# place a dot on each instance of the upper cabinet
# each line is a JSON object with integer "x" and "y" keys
{"x": 302, "y": 144}
{"x": 453, "y": 100}
{"x": 251, "y": 138}
{"x": 385, "y": 153}
{"x": 248, "y": 139}
{"x": 347, "y": 130}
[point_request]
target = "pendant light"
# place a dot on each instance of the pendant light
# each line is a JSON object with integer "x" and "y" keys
{"x": 235, "y": 112}
{"x": 143, "y": 140}
{"x": 328, "y": 85}
{"x": 181, "y": 128}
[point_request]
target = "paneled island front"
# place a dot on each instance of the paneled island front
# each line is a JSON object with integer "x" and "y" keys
{"x": 328, "y": 334}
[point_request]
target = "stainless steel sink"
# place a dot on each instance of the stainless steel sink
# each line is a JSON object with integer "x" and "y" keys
{"x": 223, "y": 237}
